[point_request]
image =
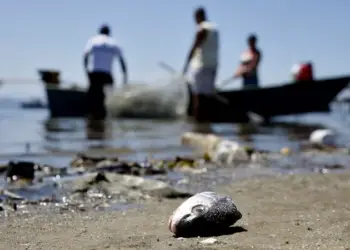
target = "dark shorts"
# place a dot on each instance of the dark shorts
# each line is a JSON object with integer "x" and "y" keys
{"x": 204, "y": 107}
{"x": 251, "y": 81}
{"x": 96, "y": 95}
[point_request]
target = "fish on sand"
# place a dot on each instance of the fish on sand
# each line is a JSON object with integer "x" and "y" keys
{"x": 203, "y": 213}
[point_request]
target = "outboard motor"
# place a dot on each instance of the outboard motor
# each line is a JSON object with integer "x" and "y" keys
{"x": 302, "y": 72}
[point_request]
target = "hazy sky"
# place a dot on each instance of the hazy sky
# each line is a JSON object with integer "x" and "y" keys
{"x": 52, "y": 34}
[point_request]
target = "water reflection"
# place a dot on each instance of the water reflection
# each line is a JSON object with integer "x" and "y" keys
{"x": 59, "y": 125}
{"x": 204, "y": 128}
{"x": 244, "y": 131}
{"x": 94, "y": 130}
{"x": 98, "y": 129}
{"x": 247, "y": 129}
{"x": 144, "y": 136}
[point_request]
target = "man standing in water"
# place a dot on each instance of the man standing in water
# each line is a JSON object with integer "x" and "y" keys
{"x": 203, "y": 61}
{"x": 248, "y": 68}
{"x": 101, "y": 49}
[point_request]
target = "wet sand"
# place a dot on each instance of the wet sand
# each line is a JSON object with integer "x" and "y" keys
{"x": 291, "y": 212}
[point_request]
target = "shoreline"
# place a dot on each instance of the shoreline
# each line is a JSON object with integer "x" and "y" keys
{"x": 301, "y": 211}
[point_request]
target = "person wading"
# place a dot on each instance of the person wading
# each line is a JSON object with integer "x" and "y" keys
{"x": 101, "y": 49}
{"x": 203, "y": 61}
{"x": 248, "y": 68}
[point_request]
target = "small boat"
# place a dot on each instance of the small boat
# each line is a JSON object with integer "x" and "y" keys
{"x": 33, "y": 104}
{"x": 286, "y": 99}
{"x": 63, "y": 101}
{"x": 291, "y": 98}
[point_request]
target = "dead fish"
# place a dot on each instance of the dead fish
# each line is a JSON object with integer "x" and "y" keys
{"x": 203, "y": 214}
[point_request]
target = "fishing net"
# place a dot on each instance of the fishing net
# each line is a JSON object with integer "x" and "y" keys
{"x": 164, "y": 99}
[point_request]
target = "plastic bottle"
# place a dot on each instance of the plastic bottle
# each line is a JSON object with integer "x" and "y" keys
{"x": 323, "y": 137}
{"x": 219, "y": 150}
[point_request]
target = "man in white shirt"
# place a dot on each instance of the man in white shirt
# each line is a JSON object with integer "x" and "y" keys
{"x": 101, "y": 49}
{"x": 203, "y": 59}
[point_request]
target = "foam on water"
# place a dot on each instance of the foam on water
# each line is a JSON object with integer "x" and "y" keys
{"x": 163, "y": 99}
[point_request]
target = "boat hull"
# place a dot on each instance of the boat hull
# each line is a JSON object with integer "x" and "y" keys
{"x": 268, "y": 102}
{"x": 66, "y": 103}
{"x": 287, "y": 99}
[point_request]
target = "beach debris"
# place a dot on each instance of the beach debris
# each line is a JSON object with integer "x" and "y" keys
{"x": 113, "y": 164}
{"x": 228, "y": 151}
{"x": 335, "y": 166}
{"x": 132, "y": 168}
{"x": 220, "y": 150}
{"x": 255, "y": 118}
{"x": 323, "y": 137}
{"x": 286, "y": 151}
{"x": 179, "y": 163}
{"x": 49, "y": 170}
{"x": 203, "y": 142}
{"x": 203, "y": 214}
{"x": 209, "y": 241}
{"x": 322, "y": 140}
{"x": 83, "y": 160}
{"x": 327, "y": 168}
{"x": 8, "y": 200}
{"x": 3, "y": 168}
{"x": 112, "y": 183}
{"x": 183, "y": 162}
{"x": 8, "y": 207}
{"x": 194, "y": 171}
{"x": 7, "y": 195}
{"x": 145, "y": 167}
{"x": 21, "y": 170}
{"x": 25, "y": 171}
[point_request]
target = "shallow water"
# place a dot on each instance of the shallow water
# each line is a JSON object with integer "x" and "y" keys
{"x": 29, "y": 135}
{"x": 21, "y": 129}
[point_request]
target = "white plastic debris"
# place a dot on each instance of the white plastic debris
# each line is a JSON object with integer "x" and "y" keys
{"x": 209, "y": 241}
{"x": 323, "y": 137}
{"x": 227, "y": 152}
{"x": 219, "y": 150}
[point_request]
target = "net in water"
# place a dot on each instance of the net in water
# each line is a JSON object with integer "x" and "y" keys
{"x": 163, "y": 99}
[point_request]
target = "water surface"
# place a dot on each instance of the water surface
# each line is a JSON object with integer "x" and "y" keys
{"x": 28, "y": 134}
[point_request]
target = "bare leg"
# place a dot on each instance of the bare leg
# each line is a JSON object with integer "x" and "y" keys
{"x": 196, "y": 106}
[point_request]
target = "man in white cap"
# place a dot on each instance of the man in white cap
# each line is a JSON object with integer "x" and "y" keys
{"x": 101, "y": 49}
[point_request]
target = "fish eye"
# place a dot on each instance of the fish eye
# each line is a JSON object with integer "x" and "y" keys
{"x": 199, "y": 210}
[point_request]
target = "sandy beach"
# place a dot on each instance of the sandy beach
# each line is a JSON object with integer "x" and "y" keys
{"x": 291, "y": 212}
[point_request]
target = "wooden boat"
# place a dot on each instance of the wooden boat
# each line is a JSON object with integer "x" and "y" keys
{"x": 63, "y": 102}
{"x": 287, "y": 99}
